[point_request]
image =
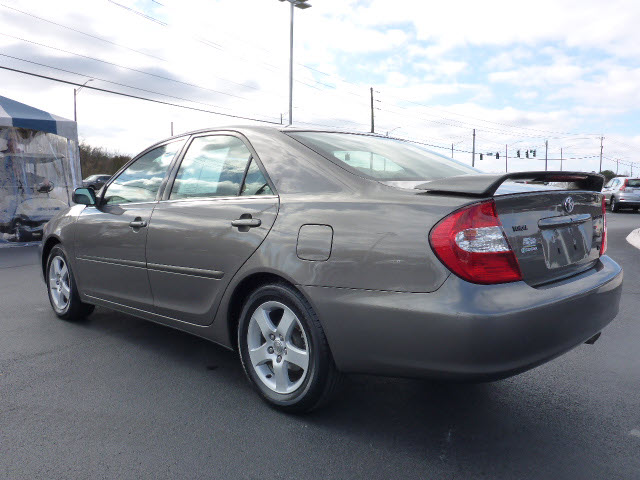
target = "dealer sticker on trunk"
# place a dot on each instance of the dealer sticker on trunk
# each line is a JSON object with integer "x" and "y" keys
{"x": 529, "y": 244}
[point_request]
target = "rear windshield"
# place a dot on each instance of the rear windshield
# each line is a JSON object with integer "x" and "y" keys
{"x": 381, "y": 158}
{"x": 635, "y": 183}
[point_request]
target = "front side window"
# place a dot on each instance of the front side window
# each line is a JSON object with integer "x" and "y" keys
{"x": 212, "y": 167}
{"x": 380, "y": 158}
{"x": 141, "y": 180}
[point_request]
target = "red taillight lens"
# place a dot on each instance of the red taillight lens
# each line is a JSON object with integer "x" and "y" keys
{"x": 472, "y": 244}
{"x": 626, "y": 184}
{"x": 603, "y": 247}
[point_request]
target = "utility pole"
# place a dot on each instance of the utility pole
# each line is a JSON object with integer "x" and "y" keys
{"x": 473, "y": 154}
{"x": 172, "y": 129}
{"x": 506, "y": 158}
{"x": 546, "y": 150}
{"x": 372, "y": 124}
{"x": 452, "y": 150}
{"x": 280, "y": 119}
{"x": 601, "y": 139}
{"x": 561, "y": 159}
{"x": 617, "y": 165}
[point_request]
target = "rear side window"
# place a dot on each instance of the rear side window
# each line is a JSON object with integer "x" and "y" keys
{"x": 255, "y": 183}
{"x": 382, "y": 158}
{"x": 212, "y": 167}
{"x": 141, "y": 180}
{"x": 634, "y": 183}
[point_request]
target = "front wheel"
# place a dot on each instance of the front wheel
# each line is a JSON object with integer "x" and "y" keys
{"x": 284, "y": 350}
{"x": 61, "y": 286}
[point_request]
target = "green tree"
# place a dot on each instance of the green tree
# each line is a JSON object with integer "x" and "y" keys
{"x": 97, "y": 160}
{"x": 608, "y": 174}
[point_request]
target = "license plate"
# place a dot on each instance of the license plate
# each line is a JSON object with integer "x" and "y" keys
{"x": 564, "y": 246}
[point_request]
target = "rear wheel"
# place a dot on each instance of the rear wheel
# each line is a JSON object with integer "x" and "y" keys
{"x": 61, "y": 286}
{"x": 614, "y": 204}
{"x": 284, "y": 350}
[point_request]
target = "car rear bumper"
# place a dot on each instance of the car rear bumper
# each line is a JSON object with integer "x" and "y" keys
{"x": 466, "y": 331}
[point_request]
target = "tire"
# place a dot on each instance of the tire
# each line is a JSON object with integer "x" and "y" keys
{"x": 635, "y": 209}
{"x": 276, "y": 366}
{"x": 19, "y": 233}
{"x": 614, "y": 204}
{"x": 62, "y": 289}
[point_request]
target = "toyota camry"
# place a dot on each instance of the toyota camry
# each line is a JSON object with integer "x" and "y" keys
{"x": 317, "y": 253}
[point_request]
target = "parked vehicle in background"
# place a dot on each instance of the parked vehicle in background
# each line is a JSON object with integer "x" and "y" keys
{"x": 622, "y": 192}
{"x": 316, "y": 253}
{"x": 95, "y": 181}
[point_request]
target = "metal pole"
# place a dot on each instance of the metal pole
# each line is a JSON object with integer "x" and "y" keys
{"x": 75, "y": 115}
{"x": 473, "y": 154}
{"x": 291, "y": 71}
{"x": 506, "y": 158}
{"x": 561, "y": 159}
{"x": 372, "y": 123}
{"x": 172, "y": 129}
{"x": 546, "y": 150}
{"x": 452, "y": 150}
{"x": 601, "y": 139}
{"x": 617, "y": 162}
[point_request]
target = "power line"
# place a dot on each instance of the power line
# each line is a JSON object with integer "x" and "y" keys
{"x": 102, "y": 39}
{"x": 122, "y": 66}
{"x": 110, "y": 81}
{"x": 487, "y": 121}
{"x": 82, "y": 33}
{"x": 136, "y": 96}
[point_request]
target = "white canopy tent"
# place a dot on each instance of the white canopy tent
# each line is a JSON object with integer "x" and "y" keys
{"x": 39, "y": 169}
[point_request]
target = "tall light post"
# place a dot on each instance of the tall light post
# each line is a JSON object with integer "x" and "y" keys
{"x": 75, "y": 94}
{"x": 302, "y": 4}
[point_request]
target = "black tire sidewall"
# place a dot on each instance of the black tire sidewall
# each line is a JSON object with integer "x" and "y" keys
{"x": 307, "y": 395}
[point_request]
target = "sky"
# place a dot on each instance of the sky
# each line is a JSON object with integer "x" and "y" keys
{"x": 524, "y": 75}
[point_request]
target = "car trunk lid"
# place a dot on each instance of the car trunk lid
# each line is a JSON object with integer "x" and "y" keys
{"x": 554, "y": 230}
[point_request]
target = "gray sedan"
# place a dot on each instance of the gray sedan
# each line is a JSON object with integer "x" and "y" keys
{"x": 320, "y": 253}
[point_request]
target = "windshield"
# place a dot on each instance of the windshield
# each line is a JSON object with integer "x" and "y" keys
{"x": 381, "y": 158}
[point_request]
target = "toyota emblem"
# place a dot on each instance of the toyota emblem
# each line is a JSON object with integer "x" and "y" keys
{"x": 569, "y": 204}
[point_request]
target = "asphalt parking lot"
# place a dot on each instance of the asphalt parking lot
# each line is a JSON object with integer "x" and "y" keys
{"x": 117, "y": 397}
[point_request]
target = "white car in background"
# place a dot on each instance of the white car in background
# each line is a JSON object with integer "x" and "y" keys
{"x": 622, "y": 192}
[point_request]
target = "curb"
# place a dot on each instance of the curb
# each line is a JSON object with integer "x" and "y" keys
{"x": 634, "y": 238}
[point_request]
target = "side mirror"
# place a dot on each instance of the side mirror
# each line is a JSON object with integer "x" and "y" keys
{"x": 84, "y": 196}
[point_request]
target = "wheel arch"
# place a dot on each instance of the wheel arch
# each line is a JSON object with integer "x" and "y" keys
{"x": 241, "y": 292}
{"x": 51, "y": 242}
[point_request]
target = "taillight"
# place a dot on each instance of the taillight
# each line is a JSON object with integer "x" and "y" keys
{"x": 625, "y": 185}
{"x": 603, "y": 247}
{"x": 472, "y": 244}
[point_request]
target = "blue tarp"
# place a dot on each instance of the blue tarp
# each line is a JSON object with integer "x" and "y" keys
{"x": 16, "y": 114}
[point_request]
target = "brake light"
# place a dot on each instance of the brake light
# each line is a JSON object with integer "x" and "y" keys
{"x": 472, "y": 244}
{"x": 603, "y": 247}
{"x": 625, "y": 185}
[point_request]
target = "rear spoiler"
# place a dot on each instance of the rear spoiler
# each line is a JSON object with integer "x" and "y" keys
{"x": 486, "y": 185}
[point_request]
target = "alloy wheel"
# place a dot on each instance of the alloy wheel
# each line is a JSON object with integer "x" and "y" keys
{"x": 278, "y": 348}
{"x": 59, "y": 284}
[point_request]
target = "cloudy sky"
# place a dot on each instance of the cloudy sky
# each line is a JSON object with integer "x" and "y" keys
{"x": 520, "y": 73}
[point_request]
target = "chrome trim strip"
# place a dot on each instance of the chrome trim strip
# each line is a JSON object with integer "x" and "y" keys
{"x": 112, "y": 261}
{"x": 194, "y": 272}
{"x": 565, "y": 220}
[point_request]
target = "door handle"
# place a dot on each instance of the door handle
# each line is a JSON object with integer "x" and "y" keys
{"x": 246, "y": 222}
{"x": 138, "y": 223}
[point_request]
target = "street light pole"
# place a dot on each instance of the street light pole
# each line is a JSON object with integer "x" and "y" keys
{"x": 76, "y": 91}
{"x": 302, "y": 4}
